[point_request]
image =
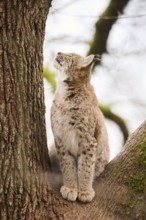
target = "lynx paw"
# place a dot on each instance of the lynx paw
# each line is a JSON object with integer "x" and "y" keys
{"x": 69, "y": 193}
{"x": 86, "y": 196}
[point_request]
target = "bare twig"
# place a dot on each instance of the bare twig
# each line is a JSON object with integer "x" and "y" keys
{"x": 57, "y": 10}
{"x": 104, "y": 17}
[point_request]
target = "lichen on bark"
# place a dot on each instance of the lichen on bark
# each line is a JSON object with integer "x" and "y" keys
{"x": 136, "y": 180}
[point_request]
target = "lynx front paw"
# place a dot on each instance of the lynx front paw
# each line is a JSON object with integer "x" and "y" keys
{"x": 69, "y": 193}
{"x": 86, "y": 196}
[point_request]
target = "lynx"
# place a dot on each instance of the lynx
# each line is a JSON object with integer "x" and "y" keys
{"x": 78, "y": 126}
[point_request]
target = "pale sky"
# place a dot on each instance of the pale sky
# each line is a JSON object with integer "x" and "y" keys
{"x": 120, "y": 80}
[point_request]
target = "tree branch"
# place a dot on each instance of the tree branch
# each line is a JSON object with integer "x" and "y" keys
{"x": 117, "y": 119}
{"x": 120, "y": 189}
{"x": 103, "y": 26}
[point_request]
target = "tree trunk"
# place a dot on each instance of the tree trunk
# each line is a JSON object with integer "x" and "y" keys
{"x": 25, "y": 192}
{"x": 23, "y": 146}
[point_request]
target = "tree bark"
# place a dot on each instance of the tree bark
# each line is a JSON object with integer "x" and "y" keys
{"x": 23, "y": 147}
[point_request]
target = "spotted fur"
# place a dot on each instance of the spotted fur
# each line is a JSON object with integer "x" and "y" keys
{"x": 78, "y": 127}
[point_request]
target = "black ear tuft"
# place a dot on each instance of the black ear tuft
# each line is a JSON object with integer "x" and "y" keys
{"x": 97, "y": 57}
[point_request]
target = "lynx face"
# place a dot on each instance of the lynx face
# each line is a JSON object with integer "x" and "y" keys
{"x": 73, "y": 66}
{"x": 65, "y": 61}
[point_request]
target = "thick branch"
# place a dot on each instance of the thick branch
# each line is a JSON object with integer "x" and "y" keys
{"x": 103, "y": 26}
{"x": 120, "y": 190}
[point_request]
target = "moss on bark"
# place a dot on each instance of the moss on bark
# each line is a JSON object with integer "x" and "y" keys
{"x": 136, "y": 180}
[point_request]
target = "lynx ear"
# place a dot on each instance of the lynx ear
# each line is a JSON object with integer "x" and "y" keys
{"x": 87, "y": 61}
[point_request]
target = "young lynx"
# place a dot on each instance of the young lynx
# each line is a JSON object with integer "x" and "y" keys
{"x": 78, "y": 127}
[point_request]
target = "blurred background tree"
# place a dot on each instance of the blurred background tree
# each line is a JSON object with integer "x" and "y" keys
{"x": 116, "y": 30}
{"x": 50, "y": 77}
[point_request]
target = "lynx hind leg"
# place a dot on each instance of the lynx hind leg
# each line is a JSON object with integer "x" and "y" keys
{"x": 102, "y": 158}
{"x": 100, "y": 166}
{"x": 103, "y": 151}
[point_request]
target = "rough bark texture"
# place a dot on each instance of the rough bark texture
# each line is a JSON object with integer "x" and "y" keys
{"x": 23, "y": 147}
